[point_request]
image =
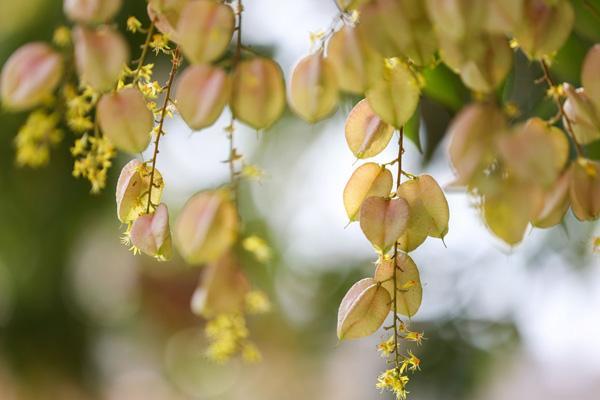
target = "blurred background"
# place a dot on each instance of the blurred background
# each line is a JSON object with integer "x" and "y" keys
{"x": 81, "y": 318}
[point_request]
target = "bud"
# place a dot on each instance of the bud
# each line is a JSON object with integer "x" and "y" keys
{"x": 398, "y": 28}
{"x": 536, "y": 153}
{"x": 258, "y": 92}
{"x": 472, "y": 136}
{"x": 583, "y": 115}
{"x": 150, "y": 233}
{"x": 408, "y": 282}
{"x": 132, "y": 190}
{"x": 30, "y": 75}
{"x": 366, "y": 134}
{"x": 394, "y": 93}
{"x": 383, "y": 221}
{"x": 125, "y": 119}
{"x": 204, "y": 30}
{"x": 100, "y": 56}
{"x": 207, "y": 227}
{"x": 313, "y": 88}
{"x": 368, "y": 180}
{"x": 222, "y": 290}
{"x": 555, "y": 203}
{"x": 349, "y": 59}
{"x": 585, "y": 189}
{"x": 545, "y": 27}
{"x": 202, "y": 93}
{"x": 91, "y": 11}
{"x": 362, "y": 310}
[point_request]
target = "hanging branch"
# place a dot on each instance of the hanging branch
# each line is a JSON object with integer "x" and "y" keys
{"x": 175, "y": 62}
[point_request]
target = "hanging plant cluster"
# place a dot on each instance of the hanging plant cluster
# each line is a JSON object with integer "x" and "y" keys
{"x": 521, "y": 172}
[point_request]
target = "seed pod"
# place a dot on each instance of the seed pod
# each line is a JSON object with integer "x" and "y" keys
{"x": 132, "y": 190}
{"x": 502, "y": 16}
{"x": 545, "y": 27}
{"x": 258, "y": 92}
{"x": 394, "y": 93}
{"x": 487, "y": 66}
{"x": 366, "y": 134}
{"x": 555, "y": 203}
{"x": 589, "y": 76}
{"x": 362, "y": 310}
{"x": 536, "y": 153}
{"x": 202, "y": 93}
{"x": 349, "y": 59}
{"x": 409, "y": 291}
{"x": 207, "y": 227}
{"x": 204, "y": 30}
{"x": 29, "y": 76}
{"x": 457, "y": 19}
{"x": 585, "y": 189}
{"x": 91, "y": 11}
{"x": 399, "y": 28}
{"x": 508, "y": 209}
{"x": 166, "y": 14}
{"x": 313, "y": 88}
{"x": 100, "y": 56}
{"x": 428, "y": 206}
{"x": 383, "y": 221}
{"x": 150, "y": 233}
{"x": 583, "y": 115}
{"x": 222, "y": 290}
{"x": 472, "y": 136}
{"x": 125, "y": 119}
{"x": 368, "y": 180}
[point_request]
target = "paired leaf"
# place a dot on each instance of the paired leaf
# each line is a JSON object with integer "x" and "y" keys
{"x": 363, "y": 309}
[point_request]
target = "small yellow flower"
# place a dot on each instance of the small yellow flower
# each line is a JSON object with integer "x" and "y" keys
{"x": 133, "y": 24}
{"x": 159, "y": 43}
{"x": 35, "y": 139}
{"x": 411, "y": 362}
{"x": 416, "y": 337}
{"x": 253, "y": 172}
{"x": 258, "y": 247}
{"x": 62, "y": 36}
{"x": 387, "y": 347}
{"x": 257, "y": 302}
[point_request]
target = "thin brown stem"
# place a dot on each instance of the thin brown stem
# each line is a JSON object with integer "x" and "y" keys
{"x": 395, "y": 264}
{"x": 176, "y": 60}
{"x": 145, "y": 47}
{"x": 561, "y": 109}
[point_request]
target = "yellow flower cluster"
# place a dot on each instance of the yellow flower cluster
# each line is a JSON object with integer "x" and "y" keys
{"x": 62, "y": 36}
{"x": 93, "y": 157}
{"x": 36, "y": 137}
{"x": 228, "y": 335}
{"x": 393, "y": 381}
{"x": 79, "y": 105}
{"x": 133, "y": 24}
